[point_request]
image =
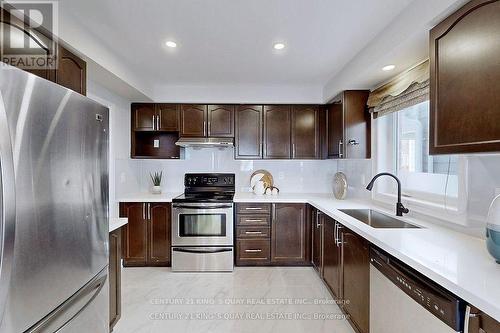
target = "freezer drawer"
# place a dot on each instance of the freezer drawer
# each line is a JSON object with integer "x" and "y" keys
{"x": 202, "y": 259}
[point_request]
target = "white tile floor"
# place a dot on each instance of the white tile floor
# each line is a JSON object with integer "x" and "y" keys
{"x": 157, "y": 300}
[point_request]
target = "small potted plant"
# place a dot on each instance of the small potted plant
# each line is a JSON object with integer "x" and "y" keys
{"x": 156, "y": 179}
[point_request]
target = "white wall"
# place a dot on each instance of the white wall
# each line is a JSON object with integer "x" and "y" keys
{"x": 119, "y": 131}
{"x": 290, "y": 176}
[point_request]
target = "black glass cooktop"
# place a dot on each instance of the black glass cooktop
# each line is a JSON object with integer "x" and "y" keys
{"x": 204, "y": 197}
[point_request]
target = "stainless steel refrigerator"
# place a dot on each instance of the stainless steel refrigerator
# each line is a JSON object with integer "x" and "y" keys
{"x": 53, "y": 207}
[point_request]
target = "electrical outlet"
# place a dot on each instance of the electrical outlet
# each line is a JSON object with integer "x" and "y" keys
{"x": 156, "y": 143}
{"x": 123, "y": 177}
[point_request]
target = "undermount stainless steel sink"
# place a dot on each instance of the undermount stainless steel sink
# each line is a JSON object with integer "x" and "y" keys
{"x": 378, "y": 220}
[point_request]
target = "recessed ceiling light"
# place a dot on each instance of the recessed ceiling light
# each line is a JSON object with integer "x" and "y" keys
{"x": 279, "y": 46}
{"x": 388, "y": 68}
{"x": 171, "y": 43}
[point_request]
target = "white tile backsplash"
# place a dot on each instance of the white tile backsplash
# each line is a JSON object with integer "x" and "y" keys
{"x": 292, "y": 176}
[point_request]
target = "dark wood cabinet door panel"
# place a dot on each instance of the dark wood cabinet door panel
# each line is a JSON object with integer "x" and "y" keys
{"x": 43, "y": 43}
{"x": 114, "y": 277}
{"x": 248, "y": 129}
{"x": 168, "y": 117}
{"x": 332, "y": 265}
{"x": 159, "y": 234}
{"x": 289, "y": 234}
{"x": 143, "y": 117}
{"x": 356, "y": 278}
{"x": 253, "y": 232}
{"x": 134, "y": 234}
{"x": 277, "y": 131}
{"x": 357, "y": 124}
{"x": 252, "y": 252}
{"x": 221, "y": 120}
{"x": 317, "y": 240}
{"x": 335, "y": 125}
{"x": 71, "y": 71}
{"x": 465, "y": 80}
{"x": 305, "y": 132}
{"x": 480, "y": 322}
{"x": 253, "y": 208}
{"x": 193, "y": 120}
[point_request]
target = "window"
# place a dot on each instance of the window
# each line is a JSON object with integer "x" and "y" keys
{"x": 402, "y": 147}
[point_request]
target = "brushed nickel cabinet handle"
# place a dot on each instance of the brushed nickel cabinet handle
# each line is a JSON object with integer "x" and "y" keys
{"x": 253, "y": 208}
{"x": 144, "y": 211}
{"x": 340, "y": 149}
{"x": 253, "y": 220}
{"x": 149, "y": 211}
{"x": 253, "y": 251}
{"x": 253, "y": 232}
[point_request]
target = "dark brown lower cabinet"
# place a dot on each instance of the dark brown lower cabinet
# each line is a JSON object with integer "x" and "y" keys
{"x": 332, "y": 260}
{"x": 290, "y": 235}
{"x": 356, "y": 278}
{"x": 146, "y": 237}
{"x": 115, "y": 268}
{"x": 134, "y": 234}
{"x": 480, "y": 322}
{"x": 317, "y": 240}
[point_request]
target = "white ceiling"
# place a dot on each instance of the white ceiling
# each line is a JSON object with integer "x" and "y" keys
{"x": 228, "y": 43}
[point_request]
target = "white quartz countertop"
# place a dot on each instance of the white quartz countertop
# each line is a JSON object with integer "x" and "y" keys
{"x": 148, "y": 197}
{"x": 117, "y": 222}
{"x": 456, "y": 261}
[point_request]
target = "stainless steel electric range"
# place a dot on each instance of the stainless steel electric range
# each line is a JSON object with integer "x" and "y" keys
{"x": 202, "y": 224}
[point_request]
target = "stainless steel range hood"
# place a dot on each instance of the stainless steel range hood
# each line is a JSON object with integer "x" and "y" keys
{"x": 205, "y": 142}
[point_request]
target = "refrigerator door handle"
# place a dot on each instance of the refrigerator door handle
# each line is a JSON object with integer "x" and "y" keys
{"x": 7, "y": 206}
{"x": 72, "y": 307}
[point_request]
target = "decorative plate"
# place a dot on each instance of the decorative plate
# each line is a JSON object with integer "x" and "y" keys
{"x": 340, "y": 185}
{"x": 263, "y": 175}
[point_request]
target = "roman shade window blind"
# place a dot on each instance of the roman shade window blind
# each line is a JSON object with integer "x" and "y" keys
{"x": 405, "y": 90}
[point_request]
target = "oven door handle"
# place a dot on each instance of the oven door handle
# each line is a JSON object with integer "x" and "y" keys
{"x": 202, "y": 207}
{"x": 202, "y": 250}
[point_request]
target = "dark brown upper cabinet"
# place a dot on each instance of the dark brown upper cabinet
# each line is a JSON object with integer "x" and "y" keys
{"x": 305, "y": 132}
{"x": 220, "y": 121}
{"x": 277, "y": 120}
{"x": 193, "y": 120}
{"x": 290, "y": 235}
{"x": 349, "y": 125}
{"x": 168, "y": 117}
{"x": 248, "y": 127}
{"x": 71, "y": 71}
{"x": 143, "y": 117}
{"x": 465, "y": 80}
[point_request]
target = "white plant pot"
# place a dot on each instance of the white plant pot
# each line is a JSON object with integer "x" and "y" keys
{"x": 156, "y": 190}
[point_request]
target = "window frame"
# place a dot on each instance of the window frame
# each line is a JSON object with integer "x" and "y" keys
{"x": 426, "y": 203}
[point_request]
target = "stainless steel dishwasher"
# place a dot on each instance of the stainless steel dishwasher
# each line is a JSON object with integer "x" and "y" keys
{"x": 403, "y": 300}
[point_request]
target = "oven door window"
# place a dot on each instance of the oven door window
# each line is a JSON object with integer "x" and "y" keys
{"x": 202, "y": 225}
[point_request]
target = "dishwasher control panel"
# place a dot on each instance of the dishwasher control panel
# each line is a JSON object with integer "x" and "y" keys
{"x": 437, "y": 300}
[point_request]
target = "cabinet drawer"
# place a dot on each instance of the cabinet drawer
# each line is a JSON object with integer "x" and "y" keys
{"x": 253, "y": 220}
{"x": 253, "y": 251}
{"x": 253, "y": 232}
{"x": 253, "y": 208}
